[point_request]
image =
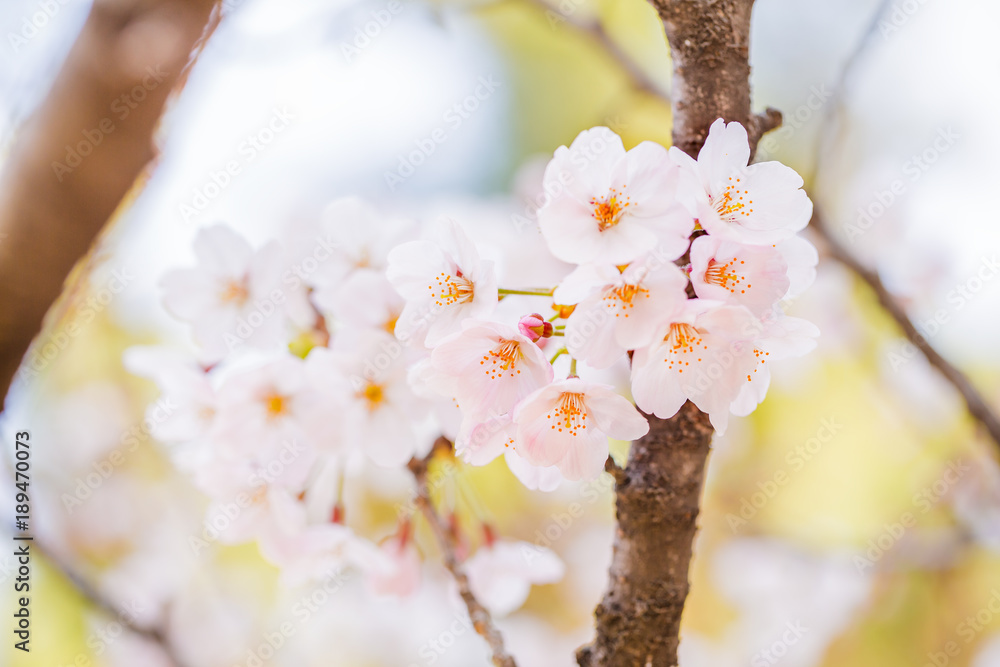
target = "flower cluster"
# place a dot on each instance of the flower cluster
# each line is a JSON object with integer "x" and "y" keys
{"x": 364, "y": 339}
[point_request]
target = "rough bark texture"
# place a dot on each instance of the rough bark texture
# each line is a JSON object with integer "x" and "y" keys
{"x": 710, "y": 46}
{"x": 50, "y": 215}
{"x": 659, "y": 491}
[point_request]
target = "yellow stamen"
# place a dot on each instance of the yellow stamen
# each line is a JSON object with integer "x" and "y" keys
{"x": 570, "y": 415}
{"x": 609, "y": 211}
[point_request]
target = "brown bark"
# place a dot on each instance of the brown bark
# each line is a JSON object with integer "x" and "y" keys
{"x": 658, "y": 492}
{"x": 710, "y": 46}
{"x": 50, "y": 214}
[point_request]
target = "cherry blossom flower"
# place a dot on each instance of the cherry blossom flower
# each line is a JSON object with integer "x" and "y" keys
{"x": 502, "y": 573}
{"x": 366, "y": 299}
{"x": 232, "y": 296}
{"x": 494, "y": 367}
{"x": 265, "y": 503}
{"x": 496, "y": 435}
{"x": 751, "y": 276}
{"x": 263, "y": 409}
{"x": 443, "y": 283}
{"x": 802, "y": 258}
{"x": 618, "y": 309}
{"x": 441, "y": 392}
{"x": 610, "y": 205}
{"x": 702, "y": 352}
{"x": 403, "y": 574}
{"x": 366, "y": 372}
{"x": 758, "y": 204}
{"x": 311, "y": 552}
{"x": 536, "y": 478}
{"x": 567, "y": 424}
{"x": 780, "y": 337}
{"x": 183, "y": 384}
{"x": 357, "y": 239}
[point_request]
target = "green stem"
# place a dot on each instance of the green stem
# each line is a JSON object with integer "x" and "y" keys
{"x": 558, "y": 354}
{"x": 526, "y": 292}
{"x": 572, "y": 367}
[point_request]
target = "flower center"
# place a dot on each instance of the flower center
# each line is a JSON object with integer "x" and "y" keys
{"x": 235, "y": 291}
{"x": 276, "y": 405}
{"x": 570, "y": 415}
{"x": 502, "y": 359}
{"x": 448, "y": 290}
{"x": 725, "y": 275}
{"x": 625, "y": 295}
{"x": 682, "y": 339}
{"x": 609, "y": 211}
{"x": 731, "y": 204}
{"x": 259, "y": 494}
{"x": 374, "y": 394}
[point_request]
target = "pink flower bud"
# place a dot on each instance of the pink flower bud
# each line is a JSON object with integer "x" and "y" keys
{"x": 534, "y": 327}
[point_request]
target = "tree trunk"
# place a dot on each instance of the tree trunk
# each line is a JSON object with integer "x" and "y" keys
{"x": 658, "y": 493}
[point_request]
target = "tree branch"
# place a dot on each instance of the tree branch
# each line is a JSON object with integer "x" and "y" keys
{"x": 481, "y": 619}
{"x": 595, "y": 30}
{"x": 659, "y": 491}
{"x": 154, "y": 635}
{"x": 82, "y": 151}
{"x": 977, "y": 405}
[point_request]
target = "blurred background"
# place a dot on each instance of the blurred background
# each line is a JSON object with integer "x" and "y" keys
{"x": 802, "y": 559}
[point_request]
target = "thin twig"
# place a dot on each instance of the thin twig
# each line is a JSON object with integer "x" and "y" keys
{"x": 481, "y": 619}
{"x": 762, "y": 123}
{"x": 104, "y": 605}
{"x": 595, "y": 30}
{"x": 611, "y": 467}
{"x": 978, "y": 407}
{"x": 834, "y": 110}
